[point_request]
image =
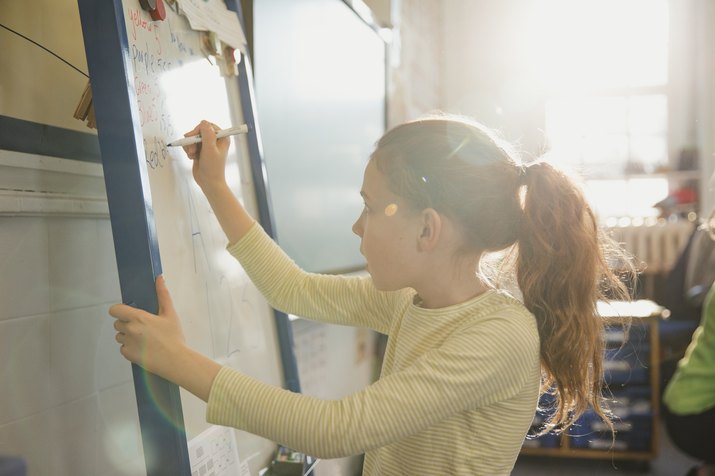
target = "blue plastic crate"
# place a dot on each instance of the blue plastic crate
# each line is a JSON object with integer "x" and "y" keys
{"x": 629, "y": 400}
{"x": 627, "y": 365}
{"x": 633, "y": 433}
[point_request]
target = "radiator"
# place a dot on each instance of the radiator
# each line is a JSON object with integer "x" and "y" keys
{"x": 655, "y": 248}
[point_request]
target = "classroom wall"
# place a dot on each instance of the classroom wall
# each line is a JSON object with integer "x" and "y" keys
{"x": 478, "y": 79}
{"x": 34, "y": 85}
{"x": 416, "y": 83}
{"x": 66, "y": 400}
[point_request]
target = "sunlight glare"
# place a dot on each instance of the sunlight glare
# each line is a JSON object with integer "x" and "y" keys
{"x": 579, "y": 45}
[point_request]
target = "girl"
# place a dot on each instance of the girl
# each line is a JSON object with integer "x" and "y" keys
{"x": 465, "y": 361}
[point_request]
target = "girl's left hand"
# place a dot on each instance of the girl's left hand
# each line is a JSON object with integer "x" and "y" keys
{"x": 152, "y": 341}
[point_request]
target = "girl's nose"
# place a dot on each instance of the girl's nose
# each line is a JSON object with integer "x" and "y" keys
{"x": 357, "y": 226}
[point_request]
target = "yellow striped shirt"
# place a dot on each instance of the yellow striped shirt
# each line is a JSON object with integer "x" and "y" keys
{"x": 458, "y": 387}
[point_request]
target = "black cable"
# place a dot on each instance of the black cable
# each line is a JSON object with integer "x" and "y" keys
{"x": 50, "y": 52}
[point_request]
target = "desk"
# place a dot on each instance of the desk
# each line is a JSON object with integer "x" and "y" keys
{"x": 632, "y": 375}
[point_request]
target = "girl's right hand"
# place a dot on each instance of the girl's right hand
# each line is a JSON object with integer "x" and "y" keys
{"x": 209, "y": 156}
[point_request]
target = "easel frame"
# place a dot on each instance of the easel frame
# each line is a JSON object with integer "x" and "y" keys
{"x": 131, "y": 213}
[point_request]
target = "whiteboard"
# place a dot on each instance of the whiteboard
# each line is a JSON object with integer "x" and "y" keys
{"x": 169, "y": 86}
{"x": 175, "y": 86}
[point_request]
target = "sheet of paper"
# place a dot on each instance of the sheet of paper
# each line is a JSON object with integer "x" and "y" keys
{"x": 214, "y": 452}
{"x": 212, "y": 15}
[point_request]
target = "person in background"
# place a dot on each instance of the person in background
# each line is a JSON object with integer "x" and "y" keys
{"x": 689, "y": 397}
{"x": 465, "y": 361}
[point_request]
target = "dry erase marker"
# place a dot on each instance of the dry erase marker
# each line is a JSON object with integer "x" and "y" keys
{"x": 242, "y": 129}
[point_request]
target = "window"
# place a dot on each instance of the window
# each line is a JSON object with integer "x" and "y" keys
{"x": 603, "y": 67}
{"x": 608, "y": 135}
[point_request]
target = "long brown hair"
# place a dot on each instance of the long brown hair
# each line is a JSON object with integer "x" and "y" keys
{"x": 465, "y": 171}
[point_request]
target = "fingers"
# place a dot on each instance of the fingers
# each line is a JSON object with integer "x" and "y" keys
{"x": 121, "y": 326}
{"x": 192, "y": 151}
{"x": 208, "y": 133}
{"x": 209, "y": 137}
{"x": 166, "y": 305}
{"x": 123, "y": 312}
{"x": 126, "y": 317}
{"x": 207, "y": 130}
{"x": 121, "y": 335}
{"x": 145, "y": 337}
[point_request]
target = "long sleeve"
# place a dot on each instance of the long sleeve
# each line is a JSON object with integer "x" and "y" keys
{"x": 336, "y": 299}
{"x": 472, "y": 367}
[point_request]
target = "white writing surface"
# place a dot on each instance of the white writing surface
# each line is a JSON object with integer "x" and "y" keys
{"x": 223, "y": 315}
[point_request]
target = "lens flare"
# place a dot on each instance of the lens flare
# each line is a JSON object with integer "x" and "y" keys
{"x": 391, "y": 209}
{"x": 162, "y": 399}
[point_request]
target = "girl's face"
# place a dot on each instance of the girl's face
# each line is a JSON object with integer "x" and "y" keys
{"x": 388, "y": 232}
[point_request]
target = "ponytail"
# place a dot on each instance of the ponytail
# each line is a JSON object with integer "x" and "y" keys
{"x": 562, "y": 271}
{"x": 464, "y": 170}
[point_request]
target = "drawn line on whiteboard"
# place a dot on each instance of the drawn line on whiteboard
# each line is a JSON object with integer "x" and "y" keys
{"x": 233, "y": 313}
{"x": 195, "y": 230}
{"x": 200, "y": 254}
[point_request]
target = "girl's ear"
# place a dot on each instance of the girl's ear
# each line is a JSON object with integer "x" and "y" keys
{"x": 430, "y": 230}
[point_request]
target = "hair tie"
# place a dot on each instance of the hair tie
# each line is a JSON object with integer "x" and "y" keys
{"x": 521, "y": 171}
{"x": 528, "y": 169}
